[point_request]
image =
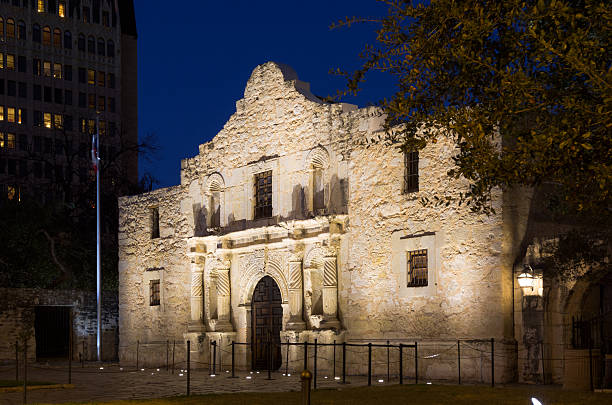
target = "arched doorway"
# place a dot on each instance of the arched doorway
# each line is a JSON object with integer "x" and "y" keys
{"x": 267, "y": 317}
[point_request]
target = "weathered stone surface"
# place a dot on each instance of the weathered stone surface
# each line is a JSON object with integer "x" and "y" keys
{"x": 338, "y": 208}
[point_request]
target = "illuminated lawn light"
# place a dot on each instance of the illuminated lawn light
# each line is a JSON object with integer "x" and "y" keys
{"x": 120, "y": 368}
{"x": 212, "y": 375}
{"x": 325, "y": 377}
{"x": 336, "y": 378}
{"x": 288, "y": 375}
{"x": 180, "y": 374}
{"x": 251, "y": 372}
{"x": 248, "y": 377}
{"x": 157, "y": 369}
{"x": 381, "y": 380}
{"x": 258, "y": 372}
{"x": 283, "y": 374}
{"x": 535, "y": 401}
{"x": 101, "y": 368}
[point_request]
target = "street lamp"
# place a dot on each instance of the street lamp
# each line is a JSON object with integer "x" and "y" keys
{"x": 526, "y": 278}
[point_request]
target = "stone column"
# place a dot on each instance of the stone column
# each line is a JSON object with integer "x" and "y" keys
{"x": 330, "y": 292}
{"x": 223, "y": 323}
{"x": 296, "y": 318}
{"x": 197, "y": 308}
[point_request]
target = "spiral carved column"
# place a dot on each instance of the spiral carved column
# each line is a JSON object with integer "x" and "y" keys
{"x": 223, "y": 323}
{"x": 296, "y": 318}
{"x": 330, "y": 291}
{"x": 197, "y": 308}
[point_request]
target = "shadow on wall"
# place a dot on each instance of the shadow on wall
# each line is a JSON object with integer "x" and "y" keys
{"x": 334, "y": 200}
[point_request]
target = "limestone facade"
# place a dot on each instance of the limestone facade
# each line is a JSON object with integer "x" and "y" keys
{"x": 337, "y": 243}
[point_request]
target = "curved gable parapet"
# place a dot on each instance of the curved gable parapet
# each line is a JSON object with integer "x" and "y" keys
{"x": 273, "y": 78}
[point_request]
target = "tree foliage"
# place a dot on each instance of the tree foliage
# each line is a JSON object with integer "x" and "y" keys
{"x": 523, "y": 86}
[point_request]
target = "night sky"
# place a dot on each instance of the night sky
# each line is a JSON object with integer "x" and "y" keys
{"x": 196, "y": 56}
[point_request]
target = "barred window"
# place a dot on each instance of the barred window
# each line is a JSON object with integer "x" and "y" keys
{"x": 263, "y": 195}
{"x": 154, "y": 223}
{"x": 411, "y": 172}
{"x": 154, "y": 296}
{"x": 417, "y": 268}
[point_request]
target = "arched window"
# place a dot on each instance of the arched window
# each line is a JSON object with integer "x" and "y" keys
{"x": 21, "y": 30}
{"x": 67, "y": 40}
{"x": 10, "y": 28}
{"x": 81, "y": 42}
{"x": 57, "y": 38}
{"x": 101, "y": 47}
{"x": 110, "y": 48}
{"x": 1, "y": 28}
{"x": 317, "y": 163}
{"x": 47, "y": 36}
{"x": 91, "y": 44}
{"x": 36, "y": 33}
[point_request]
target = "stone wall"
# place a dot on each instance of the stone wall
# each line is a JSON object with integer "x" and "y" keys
{"x": 17, "y": 317}
{"x": 341, "y": 267}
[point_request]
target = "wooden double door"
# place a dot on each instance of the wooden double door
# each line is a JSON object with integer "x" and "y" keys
{"x": 267, "y": 318}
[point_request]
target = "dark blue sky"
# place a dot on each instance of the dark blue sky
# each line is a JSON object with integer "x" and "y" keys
{"x": 195, "y": 58}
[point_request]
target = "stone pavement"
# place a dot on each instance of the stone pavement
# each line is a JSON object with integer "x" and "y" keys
{"x": 113, "y": 382}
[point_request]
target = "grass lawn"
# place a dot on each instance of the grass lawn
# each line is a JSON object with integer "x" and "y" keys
{"x": 395, "y": 394}
{"x": 13, "y": 383}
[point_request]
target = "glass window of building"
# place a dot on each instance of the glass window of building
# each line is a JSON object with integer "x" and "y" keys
{"x": 86, "y": 15}
{"x": 1, "y": 28}
{"x": 91, "y": 101}
{"x": 61, "y": 9}
{"x": 58, "y": 121}
{"x": 105, "y": 19}
{"x": 101, "y": 47}
{"x": 46, "y": 37}
{"x": 68, "y": 97}
{"x": 21, "y": 30}
{"x": 111, "y": 80}
{"x": 91, "y": 77}
{"x": 57, "y": 70}
{"x": 10, "y": 114}
{"x": 67, "y": 40}
{"x": 10, "y": 61}
{"x": 68, "y": 72}
{"x": 10, "y": 28}
{"x": 1, "y": 113}
{"x": 101, "y": 79}
{"x": 22, "y": 64}
{"x": 47, "y": 68}
{"x": 36, "y": 33}
{"x": 81, "y": 42}
{"x": 47, "y": 120}
{"x": 40, "y": 6}
{"x": 57, "y": 38}
{"x": 101, "y": 103}
{"x": 110, "y": 49}
{"x": 111, "y": 104}
{"x": 91, "y": 44}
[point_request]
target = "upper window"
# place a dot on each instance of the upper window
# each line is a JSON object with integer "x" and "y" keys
{"x": 154, "y": 223}
{"x": 61, "y": 10}
{"x": 101, "y": 47}
{"x": 1, "y": 27}
{"x": 263, "y": 194}
{"x": 46, "y": 36}
{"x": 411, "y": 172}
{"x": 67, "y": 40}
{"x": 110, "y": 49}
{"x": 41, "y": 6}
{"x": 21, "y": 30}
{"x": 36, "y": 33}
{"x": 57, "y": 38}
{"x": 81, "y": 42}
{"x": 86, "y": 15}
{"x": 417, "y": 268}
{"x": 91, "y": 44}
{"x": 10, "y": 28}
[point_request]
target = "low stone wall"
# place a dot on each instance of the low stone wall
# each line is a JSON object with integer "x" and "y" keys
{"x": 17, "y": 321}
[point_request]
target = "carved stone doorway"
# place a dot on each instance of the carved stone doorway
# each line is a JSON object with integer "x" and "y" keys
{"x": 267, "y": 318}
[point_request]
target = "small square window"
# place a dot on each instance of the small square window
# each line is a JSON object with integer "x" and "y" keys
{"x": 263, "y": 195}
{"x": 154, "y": 223}
{"x": 417, "y": 268}
{"x": 154, "y": 292}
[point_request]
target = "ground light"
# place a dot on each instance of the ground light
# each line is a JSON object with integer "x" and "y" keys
{"x": 535, "y": 401}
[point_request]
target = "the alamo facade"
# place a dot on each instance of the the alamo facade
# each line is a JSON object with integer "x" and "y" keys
{"x": 296, "y": 223}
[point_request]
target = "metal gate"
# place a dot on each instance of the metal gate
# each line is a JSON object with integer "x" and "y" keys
{"x": 267, "y": 317}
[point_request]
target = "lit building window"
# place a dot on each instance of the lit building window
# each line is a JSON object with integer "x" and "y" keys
{"x": 12, "y": 194}
{"x": 91, "y": 124}
{"x": 1, "y": 113}
{"x": 1, "y": 28}
{"x": 10, "y": 114}
{"x": 19, "y": 115}
{"x": 417, "y": 268}
{"x": 1, "y": 60}
{"x": 101, "y": 79}
{"x": 47, "y": 68}
{"x": 57, "y": 38}
{"x": 91, "y": 101}
{"x": 102, "y": 127}
{"x": 91, "y": 77}
{"x": 47, "y": 120}
{"x": 10, "y": 28}
{"x": 61, "y": 11}
{"x": 58, "y": 121}
{"x": 101, "y": 103}
{"x": 83, "y": 125}
{"x": 41, "y": 6}
{"x": 154, "y": 295}
{"x": 8, "y": 142}
{"x": 57, "y": 70}
{"x": 411, "y": 172}
{"x": 46, "y": 36}
{"x": 263, "y": 195}
{"x": 10, "y": 61}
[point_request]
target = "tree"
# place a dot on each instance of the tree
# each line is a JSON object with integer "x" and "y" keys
{"x": 535, "y": 75}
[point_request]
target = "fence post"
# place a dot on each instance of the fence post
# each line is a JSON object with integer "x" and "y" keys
{"x": 401, "y": 368}
{"x": 542, "y": 357}
{"x": 167, "y": 354}
{"x": 591, "y": 363}
{"x": 269, "y": 359}
{"x": 16, "y": 360}
{"x": 70, "y": 352}
{"x": 315, "y": 364}
{"x": 306, "y": 355}
{"x": 25, "y": 371}
{"x": 287, "y": 358}
{"x": 492, "y": 362}
{"x": 305, "y": 377}
{"x": 459, "y": 360}
{"x": 343, "y": 362}
{"x": 137, "y": 349}
{"x": 214, "y": 364}
{"x": 369, "y": 363}
{"x": 388, "y": 362}
{"x": 173, "y": 348}
{"x": 188, "y": 364}
{"x": 416, "y": 363}
{"x": 83, "y": 351}
{"x": 233, "y": 355}
{"x": 334, "y": 359}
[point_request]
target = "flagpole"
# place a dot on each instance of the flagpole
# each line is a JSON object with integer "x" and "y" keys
{"x": 98, "y": 258}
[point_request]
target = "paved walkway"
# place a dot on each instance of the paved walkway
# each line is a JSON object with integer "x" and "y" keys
{"x": 113, "y": 382}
